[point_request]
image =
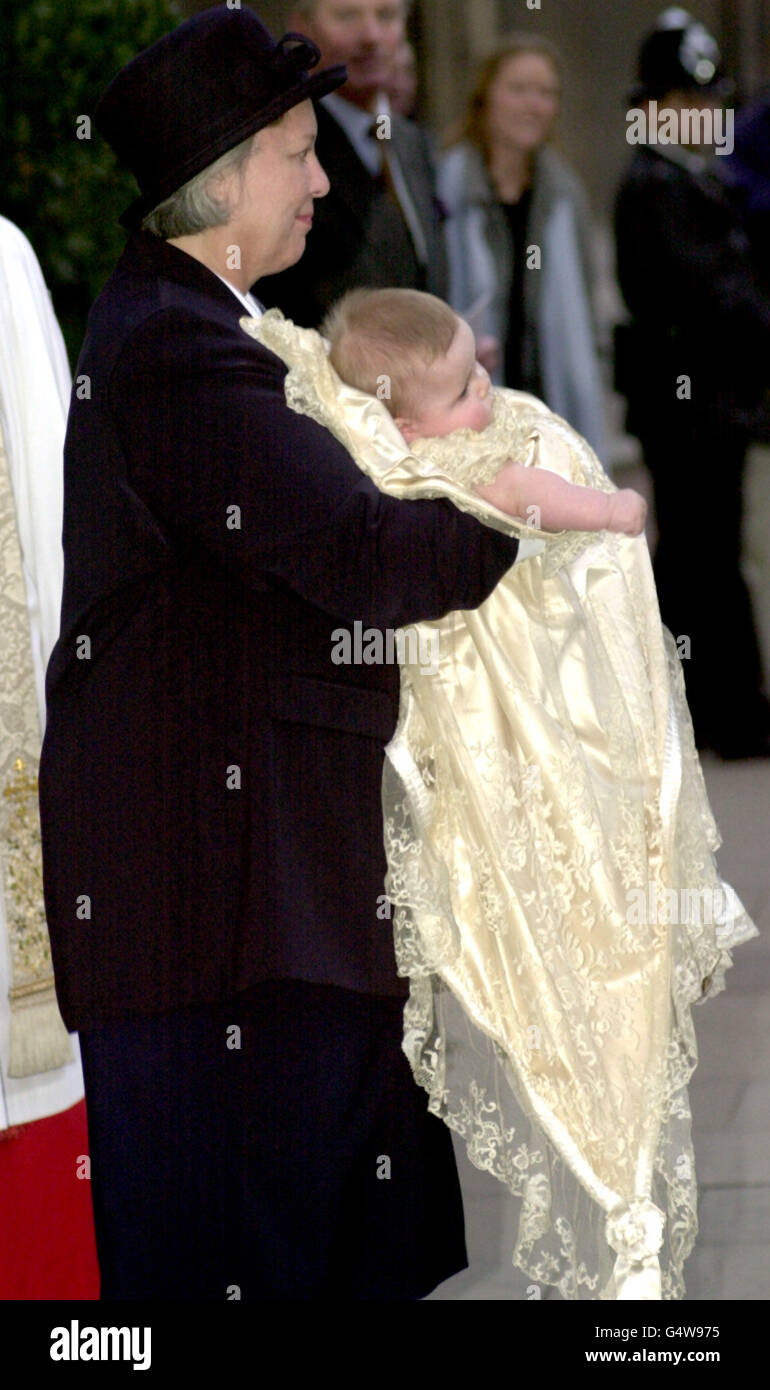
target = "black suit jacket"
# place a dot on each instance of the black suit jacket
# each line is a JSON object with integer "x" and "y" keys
{"x": 210, "y": 780}
{"x": 358, "y": 237}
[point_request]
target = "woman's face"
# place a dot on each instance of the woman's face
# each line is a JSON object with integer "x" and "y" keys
{"x": 523, "y": 102}
{"x": 273, "y": 194}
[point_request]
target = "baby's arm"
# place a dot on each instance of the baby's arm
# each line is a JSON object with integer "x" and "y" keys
{"x": 549, "y": 503}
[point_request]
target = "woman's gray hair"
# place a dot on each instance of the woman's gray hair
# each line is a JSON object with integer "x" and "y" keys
{"x": 193, "y": 207}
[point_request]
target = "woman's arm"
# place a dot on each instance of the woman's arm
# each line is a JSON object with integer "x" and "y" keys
{"x": 549, "y": 503}
{"x": 348, "y": 549}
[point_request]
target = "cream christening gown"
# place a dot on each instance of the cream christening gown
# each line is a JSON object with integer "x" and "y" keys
{"x": 551, "y": 870}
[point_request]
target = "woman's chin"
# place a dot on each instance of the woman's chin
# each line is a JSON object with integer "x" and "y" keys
{"x": 293, "y": 252}
{"x": 528, "y": 140}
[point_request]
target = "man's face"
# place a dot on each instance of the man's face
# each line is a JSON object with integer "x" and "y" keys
{"x": 274, "y": 194}
{"x": 362, "y": 34}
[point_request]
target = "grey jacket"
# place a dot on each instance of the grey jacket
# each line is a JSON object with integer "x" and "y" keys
{"x": 559, "y": 352}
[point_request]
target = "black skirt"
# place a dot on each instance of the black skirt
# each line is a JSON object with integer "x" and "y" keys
{"x": 272, "y": 1147}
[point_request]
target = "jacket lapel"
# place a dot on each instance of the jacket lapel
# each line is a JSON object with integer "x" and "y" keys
{"x": 351, "y": 183}
{"x": 411, "y": 159}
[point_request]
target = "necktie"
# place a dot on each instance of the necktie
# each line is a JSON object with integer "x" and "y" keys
{"x": 394, "y": 183}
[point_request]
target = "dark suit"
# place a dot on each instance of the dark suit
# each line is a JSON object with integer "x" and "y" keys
{"x": 359, "y": 237}
{"x": 210, "y": 780}
{"x": 210, "y": 807}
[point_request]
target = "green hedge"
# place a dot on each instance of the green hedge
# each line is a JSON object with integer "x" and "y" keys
{"x": 67, "y": 193}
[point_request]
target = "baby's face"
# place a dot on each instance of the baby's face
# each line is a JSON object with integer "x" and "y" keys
{"x": 455, "y": 392}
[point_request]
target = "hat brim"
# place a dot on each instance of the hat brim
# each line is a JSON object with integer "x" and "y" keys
{"x": 309, "y": 89}
{"x": 722, "y": 87}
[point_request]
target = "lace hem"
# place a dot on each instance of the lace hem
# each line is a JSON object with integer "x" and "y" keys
{"x": 474, "y": 1073}
{"x": 550, "y": 862}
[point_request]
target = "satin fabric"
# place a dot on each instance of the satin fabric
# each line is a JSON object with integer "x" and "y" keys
{"x": 34, "y": 397}
{"x": 542, "y": 782}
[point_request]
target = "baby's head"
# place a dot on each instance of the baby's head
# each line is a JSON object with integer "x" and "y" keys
{"x": 414, "y": 353}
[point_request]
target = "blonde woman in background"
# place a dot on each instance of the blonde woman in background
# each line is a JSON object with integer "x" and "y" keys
{"x": 519, "y": 237}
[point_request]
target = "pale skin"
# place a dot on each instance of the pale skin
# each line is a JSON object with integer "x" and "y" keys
{"x": 522, "y": 106}
{"x": 272, "y": 199}
{"x": 455, "y": 393}
{"x": 365, "y": 35}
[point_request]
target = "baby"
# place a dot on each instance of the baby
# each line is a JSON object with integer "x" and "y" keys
{"x": 541, "y": 780}
{"x": 412, "y": 351}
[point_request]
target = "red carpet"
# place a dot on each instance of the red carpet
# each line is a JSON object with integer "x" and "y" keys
{"x": 47, "y": 1245}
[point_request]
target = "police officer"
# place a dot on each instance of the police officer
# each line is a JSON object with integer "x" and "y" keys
{"x": 693, "y": 365}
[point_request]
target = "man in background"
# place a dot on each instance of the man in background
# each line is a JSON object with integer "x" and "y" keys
{"x": 381, "y": 223}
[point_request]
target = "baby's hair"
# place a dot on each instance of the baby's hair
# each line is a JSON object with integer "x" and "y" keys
{"x": 379, "y": 337}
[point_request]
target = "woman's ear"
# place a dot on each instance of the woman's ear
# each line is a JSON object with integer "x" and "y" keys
{"x": 408, "y": 428}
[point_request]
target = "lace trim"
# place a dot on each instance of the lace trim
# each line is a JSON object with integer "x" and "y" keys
{"x": 538, "y": 779}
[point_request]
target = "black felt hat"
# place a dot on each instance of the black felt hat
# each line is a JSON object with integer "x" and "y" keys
{"x": 200, "y": 90}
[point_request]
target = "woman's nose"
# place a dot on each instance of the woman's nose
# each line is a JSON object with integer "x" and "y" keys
{"x": 320, "y": 180}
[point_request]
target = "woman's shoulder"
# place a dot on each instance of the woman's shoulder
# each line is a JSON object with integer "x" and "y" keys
{"x": 461, "y": 173}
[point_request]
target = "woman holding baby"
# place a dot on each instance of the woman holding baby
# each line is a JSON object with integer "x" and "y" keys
{"x": 211, "y": 780}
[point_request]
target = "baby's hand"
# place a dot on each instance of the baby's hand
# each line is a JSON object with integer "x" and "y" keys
{"x": 628, "y": 511}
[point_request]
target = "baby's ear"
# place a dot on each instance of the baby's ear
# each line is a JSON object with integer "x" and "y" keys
{"x": 407, "y": 427}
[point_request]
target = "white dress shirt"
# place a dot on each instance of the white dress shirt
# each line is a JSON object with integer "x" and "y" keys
{"x": 247, "y": 299}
